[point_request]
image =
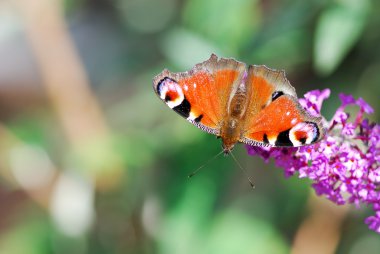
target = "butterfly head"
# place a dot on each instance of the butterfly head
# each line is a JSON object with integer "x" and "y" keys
{"x": 227, "y": 151}
{"x": 227, "y": 148}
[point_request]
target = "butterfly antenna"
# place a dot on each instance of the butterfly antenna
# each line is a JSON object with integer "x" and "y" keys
{"x": 244, "y": 171}
{"x": 207, "y": 162}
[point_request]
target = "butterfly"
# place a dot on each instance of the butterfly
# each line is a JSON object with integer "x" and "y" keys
{"x": 254, "y": 105}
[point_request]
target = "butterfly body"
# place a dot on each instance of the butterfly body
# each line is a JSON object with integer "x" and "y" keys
{"x": 231, "y": 130}
{"x": 254, "y": 105}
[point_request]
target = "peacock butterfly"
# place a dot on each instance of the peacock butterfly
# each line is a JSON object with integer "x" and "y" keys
{"x": 254, "y": 105}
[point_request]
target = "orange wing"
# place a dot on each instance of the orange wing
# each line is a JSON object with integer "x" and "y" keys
{"x": 274, "y": 116}
{"x": 201, "y": 94}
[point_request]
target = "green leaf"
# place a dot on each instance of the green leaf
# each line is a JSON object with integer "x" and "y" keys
{"x": 236, "y": 232}
{"x": 284, "y": 51}
{"x": 338, "y": 30}
{"x": 229, "y": 24}
{"x": 183, "y": 229}
{"x": 30, "y": 235}
{"x": 185, "y": 49}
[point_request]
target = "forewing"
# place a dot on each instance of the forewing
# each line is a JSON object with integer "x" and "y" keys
{"x": 201, "y": 94}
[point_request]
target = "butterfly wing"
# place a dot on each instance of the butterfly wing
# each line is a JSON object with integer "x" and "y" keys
{"x": 274, "y": 116}
{"x": 201, "y": 94}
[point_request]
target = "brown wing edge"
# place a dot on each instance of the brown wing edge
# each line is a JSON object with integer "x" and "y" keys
{"x": 214, "y": 62}
{"x": 252, "y": 142}
{"x": 277, "y": 77}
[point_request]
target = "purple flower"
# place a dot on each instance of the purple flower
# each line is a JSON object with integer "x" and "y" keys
{"x": 364, "y": 106}
{"x": 373, "y": 222}
{"x": 346, "y": 99}
{"x": 314, "y": 99}
{"x": 345, "y": 165}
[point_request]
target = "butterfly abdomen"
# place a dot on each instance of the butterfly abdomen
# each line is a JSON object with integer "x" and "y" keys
{"x": 232, "y": 125}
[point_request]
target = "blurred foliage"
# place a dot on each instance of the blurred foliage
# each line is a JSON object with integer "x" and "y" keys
{"x": 338, "y": 29}
{"x": 131, "y": 185}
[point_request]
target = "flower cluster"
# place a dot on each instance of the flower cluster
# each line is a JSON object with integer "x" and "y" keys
{"x": 345, "y": 165}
